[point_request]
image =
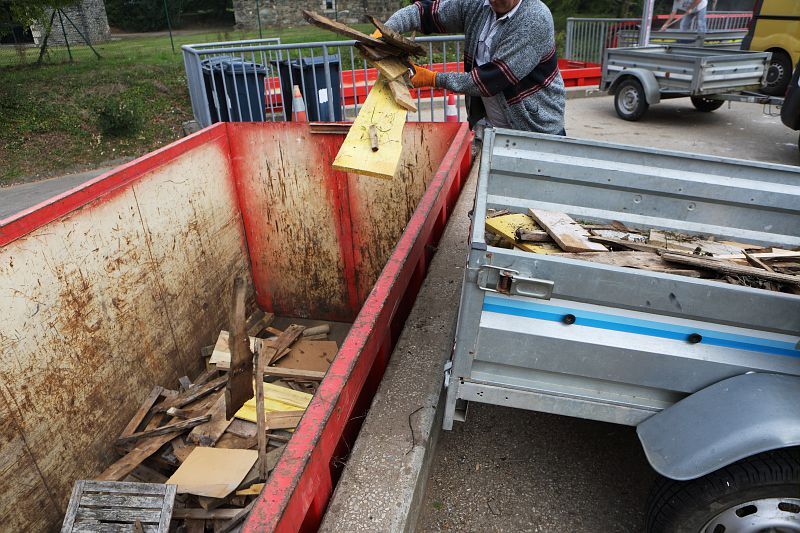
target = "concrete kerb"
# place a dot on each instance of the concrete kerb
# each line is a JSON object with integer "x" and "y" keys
{"x": 382, "y": 486}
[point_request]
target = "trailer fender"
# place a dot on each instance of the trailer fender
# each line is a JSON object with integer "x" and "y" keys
{"x": 648, "y": 80}
{"x": 723, "y": 423}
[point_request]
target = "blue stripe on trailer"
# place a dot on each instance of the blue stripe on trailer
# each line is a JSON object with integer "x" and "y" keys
{"x": 638, "y": 326}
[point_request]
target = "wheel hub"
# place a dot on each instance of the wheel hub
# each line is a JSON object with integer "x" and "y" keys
{"x": 629, "y": 99}
{"x": 769, "y": 515}
{"x": 775, "y": 73}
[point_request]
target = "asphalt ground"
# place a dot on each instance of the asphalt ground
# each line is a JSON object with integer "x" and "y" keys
{"x": 513, "y": 470}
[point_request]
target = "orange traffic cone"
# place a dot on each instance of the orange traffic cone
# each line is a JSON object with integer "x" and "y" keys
{"x": 298, "y": 106}
{"x": 450, "y": 111}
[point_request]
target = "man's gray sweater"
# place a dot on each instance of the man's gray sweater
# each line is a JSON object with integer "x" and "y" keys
{"x": 523, "y": 73}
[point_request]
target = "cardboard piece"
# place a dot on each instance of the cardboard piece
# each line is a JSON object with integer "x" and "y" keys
{"x": 213, "y": 472}
{"x": 310, "y": 355}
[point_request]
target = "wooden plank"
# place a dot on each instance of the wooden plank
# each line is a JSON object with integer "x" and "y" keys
{"x": 144, "y": 409}
{"x": 258, "y": 321}
{"x": 683, "y": 243}
{"x": 264, "y": 355}
{"x": 402, "y": 96}
{"x": 341, "y": 29}
{"x": 506, "y": 227}
{"x": 230, "y": 441}
{"x": 297, "y": 373}
{"x": 356, "y": 155}
{"x": 125, "y": 465}
{"x": 316, "y": 330}
{"x": 729, "y": 268}
{"x": 397, "y": 40}
{"x": 283, "y": 419}
{"x": 242, "y": 428}
{"x": 145, "y": 474}
{"x": 391, "y": 68}
{"x": 183, "y": 425}
{"x": 123, "y": 487}
{"x": 204, "y": 514}
{"x": 756, "y": 262}
{"x": 630, "y": 245}
{"x": 166, "y": 510}
{"x": 329, "y": 127}
{"x": 567, "y": 233}
{"x": 122, "y": 500}
{"x": 184, "y": 382}
{"x": 72, "y": 507}
{"x": 240, "y": 378}
{"x": 193, "y": 394}
{"x": 118, "y": 515}
{"x": 94, "y": 526}
{"x": 773, "y": 255}
{"x": 209, "y": 433}
{"x": 629, "y": 259}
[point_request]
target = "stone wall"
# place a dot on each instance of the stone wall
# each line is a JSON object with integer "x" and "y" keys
{"x": 287, "y": 12}
{"x": 90, "y": 18}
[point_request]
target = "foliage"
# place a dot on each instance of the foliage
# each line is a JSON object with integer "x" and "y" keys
{"x": 121, "y": 115}
{"x": 143, "y": 15}
{"x": 26, "y": 12}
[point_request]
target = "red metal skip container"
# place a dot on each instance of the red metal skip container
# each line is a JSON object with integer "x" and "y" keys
{"x": 113, "y": 287}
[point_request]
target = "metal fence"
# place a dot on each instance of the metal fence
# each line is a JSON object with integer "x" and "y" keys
{"x": 587, "y": 38}
{"x": 254, "y": 80}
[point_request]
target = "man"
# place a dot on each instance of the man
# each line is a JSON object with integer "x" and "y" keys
{"x": 695, "y": 11}
{"x": 511, "y": 73}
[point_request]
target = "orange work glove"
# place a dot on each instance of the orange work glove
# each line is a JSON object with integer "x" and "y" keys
{"x": 423, "y": 77}
{"x": 376, "y": 34}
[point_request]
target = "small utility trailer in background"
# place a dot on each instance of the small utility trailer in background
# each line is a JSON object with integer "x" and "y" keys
{"x": 708, "y": 372}
{"x": 642, "y": 76}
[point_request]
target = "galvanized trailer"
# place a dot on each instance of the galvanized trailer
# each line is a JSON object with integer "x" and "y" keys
{"x": 709, "y": 372}
{"x": 643, "y": 76}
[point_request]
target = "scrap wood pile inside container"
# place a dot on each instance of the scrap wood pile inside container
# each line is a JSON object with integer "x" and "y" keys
{"x": 204, "y": 438}
{"x": 553, "y": 233}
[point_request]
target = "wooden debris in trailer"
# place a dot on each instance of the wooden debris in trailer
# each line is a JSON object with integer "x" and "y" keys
{"x": 507, "y": 226}
{"x": 730, "y": 268}
{"x": 111, "y": 506}
{"x": 567, "y": 233}
{"x": 237, "y": 390}
{"x": 276, "y": 398}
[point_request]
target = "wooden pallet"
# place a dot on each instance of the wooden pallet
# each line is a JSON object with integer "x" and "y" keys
{"x": 111, "y": 506}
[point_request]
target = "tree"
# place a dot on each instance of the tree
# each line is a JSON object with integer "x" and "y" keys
{"x": 29, "y": 12}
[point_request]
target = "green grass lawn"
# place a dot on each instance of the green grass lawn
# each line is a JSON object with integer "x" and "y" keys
{"x": 48, "y": 124}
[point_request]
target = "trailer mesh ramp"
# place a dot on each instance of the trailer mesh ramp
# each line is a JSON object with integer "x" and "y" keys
{"x": 110, "y": 506}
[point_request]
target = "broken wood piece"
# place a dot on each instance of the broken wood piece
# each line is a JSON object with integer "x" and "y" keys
{"x": 356, "y": 155}
{"x": 630, "y": 245}
{"x": 372, "y": 54}
{"x": 278, "y": 349}
{"x": 142, "y": 412}
{"x": 263, "y": 357}
{"x": 258, "y": 321}
{"x": 242, "y": 428}
{"x": 567, "y": 233}
{"x": 191, "y": 395}
{"x": 183, "y": 513}
{"x": 506, "y": 226}
{"x": 316, "y": 330}
{"x": 209, "y": 433}
{"x": 373, "y": 137}
{"x": 230, "y": 441}
{"x": 329, "y": 127}
{"x": 756, "y": 262}
{"x": 184, "y": 383}
{"x": 278, "y": 438}
{"x": 180, "y": 449}
{"x": 683, "y": 243}
{"x": 402, "y": 96}
{"x": 205, "y": 376}
{"x": 395, "y": 39}
{"x": 729, "y": 268}
{"x": 103, "y": 505}
{"x": 252, "y": 490}
{"x": 280, "y": 372}
{"x": 240, "y": 377}
{"x": 180, "y": 413}
{"x": 164, "y": 430}
{"x": 774, "y": 255}
{"x": 531, "y": 236}
{"x": 283, "y": 419}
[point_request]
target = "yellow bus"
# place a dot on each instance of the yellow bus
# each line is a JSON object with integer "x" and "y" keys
{"x": 776, "y": 28}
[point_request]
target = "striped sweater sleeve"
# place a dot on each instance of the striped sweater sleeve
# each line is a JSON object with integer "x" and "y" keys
{"x": 429, "y": 16}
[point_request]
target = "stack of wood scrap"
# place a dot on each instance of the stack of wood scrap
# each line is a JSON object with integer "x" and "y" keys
{"x": 374, "y": 142}
{"x": 553, "y": 233}
{"x": 203, "y": 436}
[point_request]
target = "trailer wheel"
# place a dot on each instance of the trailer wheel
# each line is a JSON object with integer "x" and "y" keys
{"x": 706, "y": 105}
{"x": 760, "y": 493}
{"x": 779, "y": 74}
{"x": 629, "y": 100}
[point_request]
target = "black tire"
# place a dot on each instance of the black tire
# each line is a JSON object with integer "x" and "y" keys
{"x": 706, "y": 105}
{"x": 770, "y": 480}
{"x": 778, "y": 75}
{"x": 629, "y": 100}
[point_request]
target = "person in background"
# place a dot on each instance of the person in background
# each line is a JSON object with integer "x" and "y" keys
{"x": 695, "y": 11}
{"x": 511, "y": 77}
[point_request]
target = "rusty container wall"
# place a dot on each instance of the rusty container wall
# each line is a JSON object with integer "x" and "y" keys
{"x": 319, "y": 238}
{"x": 106, "y": 292}
{"x": 113, "y": 287}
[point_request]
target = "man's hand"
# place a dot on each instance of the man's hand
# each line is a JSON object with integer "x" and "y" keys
{"x": 423, "y": 77}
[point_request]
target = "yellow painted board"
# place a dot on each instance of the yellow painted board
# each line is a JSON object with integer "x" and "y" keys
{"x": 388, "y": 117}
{"x": 506, "y": 227}
{"x": 276, "y": 398}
